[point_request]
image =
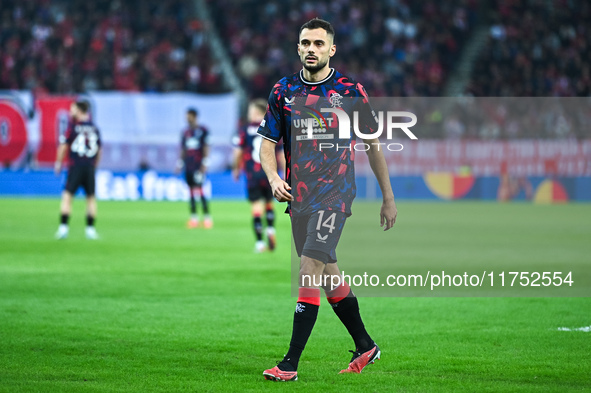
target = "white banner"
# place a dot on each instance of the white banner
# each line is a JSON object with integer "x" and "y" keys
{"x": 147, "y": 118}
{"x": 138, "y": 129}
{"x": 145, "y": 129}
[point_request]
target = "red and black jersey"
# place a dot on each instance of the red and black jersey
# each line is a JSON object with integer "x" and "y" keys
{"x": 249, "y": 141}
{"x": 320, "y": 179}
{"x": 84, "y": 141}
{"x": 193, "y": 141}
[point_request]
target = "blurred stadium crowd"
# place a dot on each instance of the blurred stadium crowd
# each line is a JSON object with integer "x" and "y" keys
{"x": 62, "y": 46}
{"x": 536, "y": 48}
{"x": 398, "y": 48}
{"x": 394, "y": 47}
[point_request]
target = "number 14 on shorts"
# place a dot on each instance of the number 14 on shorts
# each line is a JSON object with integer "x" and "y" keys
{"x": 325, "y": 223}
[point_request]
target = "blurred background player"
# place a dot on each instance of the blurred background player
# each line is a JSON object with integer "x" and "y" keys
{"x": 194, "y": 157}
{"x": 247, "y": 157}
{"x": 83, "y": 143}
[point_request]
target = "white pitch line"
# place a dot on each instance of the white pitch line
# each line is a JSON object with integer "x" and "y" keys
{"x": 585, "y": 329}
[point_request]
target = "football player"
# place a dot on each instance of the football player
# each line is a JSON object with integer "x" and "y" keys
{"x": 194, "y": 158}
{"x": 247, "y": 158}
{"x": 319, "y": 189}
{"x": 82, "y": 143}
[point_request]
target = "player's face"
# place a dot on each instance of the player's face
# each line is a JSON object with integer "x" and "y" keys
{"x": 73, "y": 111}
{"x": 315, "y": 49}
{"x": 191, "y": 119}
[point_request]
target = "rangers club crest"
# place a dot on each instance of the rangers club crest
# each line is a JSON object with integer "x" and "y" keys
{"x": 335, "y": 100}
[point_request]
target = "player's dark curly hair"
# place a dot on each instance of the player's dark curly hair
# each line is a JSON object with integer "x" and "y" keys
{"x": 318, "y": 23}
{"x": 83, "y": 106}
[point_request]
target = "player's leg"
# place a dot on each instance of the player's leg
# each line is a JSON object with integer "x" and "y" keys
{"x": 304, "y": 318}
{"x": 310, "y": 276}
{"x": 91, "y": 208}
{"x": 270, "y": 216}
{"x": 193, "y": 219}
{"x": 192, "y": 203}
{"x": 257, "y": 211}
{"x": 199, "y": 180}
{"x": 345, "y": 305}
{"x": 307, "y": 305}
{"x": 207, "y": 220}
{"x": 65, "y": 210}
{"x": 315, "y": 238}
{"x": 73, "y": 181}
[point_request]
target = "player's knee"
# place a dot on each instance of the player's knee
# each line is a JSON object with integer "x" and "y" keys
{"x": 257, "y": 209}
{"x": 311, "y": 272}
{"x": 315, "y": 255}
{"x": 313, "y": 262}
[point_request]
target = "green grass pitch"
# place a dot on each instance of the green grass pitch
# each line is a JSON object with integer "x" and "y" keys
{"x": 154, "y": 307}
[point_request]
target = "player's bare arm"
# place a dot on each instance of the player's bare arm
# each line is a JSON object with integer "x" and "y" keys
{"x": 180, "y": 162}
{"x": 236, "y": 163}
{"x": 379, "y": 167}
{"x": 99, "y": 154}
{"x": 269, "y": 163}
{"x": 61, "y": 153}
{"x": 205, "y": 161}
{"x": 281, "y": 164}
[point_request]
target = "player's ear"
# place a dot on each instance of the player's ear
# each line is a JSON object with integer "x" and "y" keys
{"x": 333, "y": 50}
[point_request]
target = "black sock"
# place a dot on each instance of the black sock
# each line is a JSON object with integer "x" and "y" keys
{"x": 89, "y": 221}
{"x": 258, "y": 227}
{"x": 270, "y": 217}
{"x": 64, "y": 219}
{"x": 193, "y": 205}
{"x": 348, "y": 312}
{"x": 304, "y": 319}
{"x": 205, "y": 205}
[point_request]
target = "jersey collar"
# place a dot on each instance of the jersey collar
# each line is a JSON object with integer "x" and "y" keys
{"x": 315, "y": 83}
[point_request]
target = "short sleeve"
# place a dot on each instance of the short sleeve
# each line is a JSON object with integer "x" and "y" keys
{"x": 68, "y": 136}
{"x": 205, "y": 137}
{"x": 270, "y": 127}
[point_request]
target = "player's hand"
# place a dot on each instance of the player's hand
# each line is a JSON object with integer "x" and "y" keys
{"x": 179, "y": 166}
{"x": 281, "y": 190}
{"x": 236, "y": 174}
{"x": 388, "y": 214}
{"x": 57, "y": 168}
